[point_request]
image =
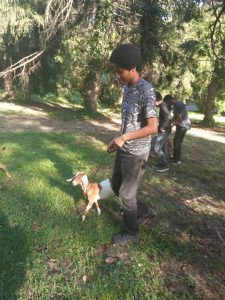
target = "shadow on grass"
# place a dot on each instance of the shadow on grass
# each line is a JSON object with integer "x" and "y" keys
{"x": 183, "y": 239}
{"x": 64, "y": 113}
{"x": 13, "y": 255}
{"x": 189, "y": 230}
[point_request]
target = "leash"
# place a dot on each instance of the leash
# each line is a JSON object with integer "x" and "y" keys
{"x": 96, "y": 171}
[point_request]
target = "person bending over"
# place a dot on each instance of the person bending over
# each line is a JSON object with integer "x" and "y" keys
{"x": 164, "y": 132}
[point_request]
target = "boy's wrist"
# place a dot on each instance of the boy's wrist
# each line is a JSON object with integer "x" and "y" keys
{"x": 123, "y": 138}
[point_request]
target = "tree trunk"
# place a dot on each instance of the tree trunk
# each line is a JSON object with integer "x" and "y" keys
{"x": 147, "y": 73}
{"x": 8, "y": 86}
{"x": 150, "y": 23}
{"x": 25, "y": 81}
{"x": 93, "y": 93}
{"x": 210, "y": 102}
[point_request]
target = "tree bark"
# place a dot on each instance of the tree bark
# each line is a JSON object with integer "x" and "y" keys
{"x": 210, "y": 102}
{"x": 8, "y": 86}
{"x": 93, "y": 94}
{"x": 25, "y": 81}
{"x": 149, "y": 30}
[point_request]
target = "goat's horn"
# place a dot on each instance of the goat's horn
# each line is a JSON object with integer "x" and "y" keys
{"x": 70, "y": 179}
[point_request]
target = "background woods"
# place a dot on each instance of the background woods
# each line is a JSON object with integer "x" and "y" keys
{"x": 58, "y": 111}
{"x": 62, "y": 47}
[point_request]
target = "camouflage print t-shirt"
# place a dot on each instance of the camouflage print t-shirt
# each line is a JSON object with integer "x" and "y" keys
{"x": 138, "y": 104}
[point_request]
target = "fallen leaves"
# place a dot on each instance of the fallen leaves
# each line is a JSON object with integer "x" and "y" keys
{"x": 110, "y": 260}
{"x": 84, "y": 278}
{"x": 60, "y": 266}
{"x": 115, "y": 254}
{"x": 52, "y": 265}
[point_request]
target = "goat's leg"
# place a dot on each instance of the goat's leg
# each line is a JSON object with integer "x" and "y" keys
{"x": 89, "y": 206}
{"x": 3, "y": 168}
{"x": 98, "y": 208}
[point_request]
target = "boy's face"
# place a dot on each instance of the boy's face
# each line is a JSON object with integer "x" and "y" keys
{"x": 125, "y": 76}
{"x": 173, "y": 101}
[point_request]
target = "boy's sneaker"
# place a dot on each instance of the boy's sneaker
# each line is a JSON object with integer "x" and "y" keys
{"x": 124, "y": 237}
{"x": 155, "y": 166}
{"x": 162, "y": 169}
{"x": 176, "y": 162}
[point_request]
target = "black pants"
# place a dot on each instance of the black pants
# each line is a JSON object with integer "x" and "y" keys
{"x": 127, "y": 176}
{"x": 177, "y": 142}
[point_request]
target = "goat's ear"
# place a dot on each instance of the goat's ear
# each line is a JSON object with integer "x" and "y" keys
{"x": 70, "y": 179}
{"x": 84, "y": 179}
{"x": 76, "y": 173}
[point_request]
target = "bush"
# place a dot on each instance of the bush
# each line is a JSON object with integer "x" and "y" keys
{"x": 110, "y": 91}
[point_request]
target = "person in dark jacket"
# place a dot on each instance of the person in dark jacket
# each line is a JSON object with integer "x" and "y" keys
{"x": 164, "y": 131}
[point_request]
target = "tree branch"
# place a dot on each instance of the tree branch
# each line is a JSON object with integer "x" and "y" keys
{"x": 54, "y": 20}
{"x": 217, "y": 20}
{"x": 24, "y": 62}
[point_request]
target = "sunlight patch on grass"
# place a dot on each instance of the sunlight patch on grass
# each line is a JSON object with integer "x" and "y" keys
{"x": 49, "y": 253}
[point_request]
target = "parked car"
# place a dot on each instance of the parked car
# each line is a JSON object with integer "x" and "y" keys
{"x": 192, "y": 107}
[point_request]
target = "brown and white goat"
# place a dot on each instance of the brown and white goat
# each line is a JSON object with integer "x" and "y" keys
{"x": 93, "y": 191}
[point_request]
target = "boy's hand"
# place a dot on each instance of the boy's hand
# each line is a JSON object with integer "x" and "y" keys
{"x": 115, "y": 144}
{"x": 111, "y": 147}
{"x": 161, "y": 130}
{"x": 119, "y": 141}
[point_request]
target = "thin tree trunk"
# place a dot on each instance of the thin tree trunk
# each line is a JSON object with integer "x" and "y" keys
{"x": 25, "y": 81}
{"x": 210, "y": 102}
{"x": 8, "y": 86}
{"x": 93, "y": 94}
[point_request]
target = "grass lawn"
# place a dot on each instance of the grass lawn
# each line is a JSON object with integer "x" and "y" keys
{"x": 46, "y": 252}
{"x": 197, "y": 118}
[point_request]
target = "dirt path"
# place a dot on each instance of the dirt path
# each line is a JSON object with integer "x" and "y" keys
{"x": 16, "y": 118}
{"x": 191, "y": 214}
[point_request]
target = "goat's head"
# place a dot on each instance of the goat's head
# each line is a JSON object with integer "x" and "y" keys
{"x": 79, "y": 178}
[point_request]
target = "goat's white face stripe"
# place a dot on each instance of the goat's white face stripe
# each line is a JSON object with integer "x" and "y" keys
{"x": 84, "y": 180}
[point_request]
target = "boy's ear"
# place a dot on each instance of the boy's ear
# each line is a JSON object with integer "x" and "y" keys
{"x": 133, "y": 70}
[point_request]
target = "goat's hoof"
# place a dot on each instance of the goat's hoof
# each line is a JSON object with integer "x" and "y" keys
{"x": 99, "y": 212}
{"x": 83, "y": 218}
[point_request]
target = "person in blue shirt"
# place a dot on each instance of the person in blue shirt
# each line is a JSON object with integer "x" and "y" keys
{"x": 182, "y": 122}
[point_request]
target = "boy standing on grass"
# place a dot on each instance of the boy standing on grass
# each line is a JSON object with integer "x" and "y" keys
{"x": 182, "y": 122}
{"x": 139, "y": 122}
{"x": 163, "y": 136}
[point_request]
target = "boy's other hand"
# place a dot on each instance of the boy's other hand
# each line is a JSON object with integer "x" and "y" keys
{"x": 111, "y": 147}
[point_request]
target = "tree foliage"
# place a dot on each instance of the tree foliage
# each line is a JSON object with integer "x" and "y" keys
{"x": 65, "y": 45}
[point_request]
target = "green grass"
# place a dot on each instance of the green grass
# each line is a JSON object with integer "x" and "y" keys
{"x": 197, "y": 118}
{"x": 46, "y": 252}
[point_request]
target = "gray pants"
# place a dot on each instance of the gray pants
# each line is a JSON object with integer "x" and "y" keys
{"x": 127, "y": 176}
{"x": 161, "y": 147}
